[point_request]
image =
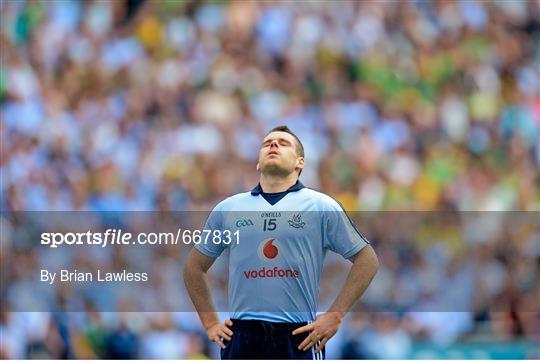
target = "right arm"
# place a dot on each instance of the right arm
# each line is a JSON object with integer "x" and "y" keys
{"x": 197, "y": 285}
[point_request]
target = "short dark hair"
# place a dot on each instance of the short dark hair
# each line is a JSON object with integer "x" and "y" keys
{"x": 284, "y": 128}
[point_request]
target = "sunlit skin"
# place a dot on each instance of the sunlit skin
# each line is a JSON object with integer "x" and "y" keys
{"x": 279, "y": 162}
{"x": 279, "y": 166}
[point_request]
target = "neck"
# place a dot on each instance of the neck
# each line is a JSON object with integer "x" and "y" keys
{"x": 274, "y": 184}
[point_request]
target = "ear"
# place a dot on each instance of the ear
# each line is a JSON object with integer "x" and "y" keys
{"x": 300, "y": 163}
{"x": 258, "y": 167}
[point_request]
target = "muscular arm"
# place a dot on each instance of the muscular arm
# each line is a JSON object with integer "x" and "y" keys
{"x": 364, "y": 267}
{"x": 197, "y": 285}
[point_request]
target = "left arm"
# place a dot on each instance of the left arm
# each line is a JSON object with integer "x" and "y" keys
{"x": 364, "y": 267}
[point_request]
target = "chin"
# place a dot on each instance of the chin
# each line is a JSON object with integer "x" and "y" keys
{"x": 275, "y": 169}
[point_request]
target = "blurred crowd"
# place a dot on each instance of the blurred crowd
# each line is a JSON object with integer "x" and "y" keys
{"x": 401, "y": 106}
{"x": 445, "y": 278}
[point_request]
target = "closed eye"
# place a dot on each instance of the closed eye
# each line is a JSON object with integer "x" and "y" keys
{"x": 281, "y": 141}
{"x": 284, "y": 142}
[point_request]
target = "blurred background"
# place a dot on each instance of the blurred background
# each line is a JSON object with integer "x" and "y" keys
{"x": 402, "y": 106}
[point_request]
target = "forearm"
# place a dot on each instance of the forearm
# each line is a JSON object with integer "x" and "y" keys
{"x": 364, "y": 268}
{"x": 197, "y": 285}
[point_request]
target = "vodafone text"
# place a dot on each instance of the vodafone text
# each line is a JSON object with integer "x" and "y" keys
{"x": 271, "y": 273}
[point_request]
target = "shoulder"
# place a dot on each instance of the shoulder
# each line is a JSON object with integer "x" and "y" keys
{"x": 232, "y": 202}
{"x": 323, "y": 201}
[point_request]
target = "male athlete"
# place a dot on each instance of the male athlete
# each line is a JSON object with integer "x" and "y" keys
{"x": 274, "y": 270}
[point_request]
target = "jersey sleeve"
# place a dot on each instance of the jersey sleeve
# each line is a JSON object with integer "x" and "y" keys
{"x": 341, "y": 235}
{"x": 214, "y": 222}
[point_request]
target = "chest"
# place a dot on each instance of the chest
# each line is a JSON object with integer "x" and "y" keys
{"x": 271, "y": 236}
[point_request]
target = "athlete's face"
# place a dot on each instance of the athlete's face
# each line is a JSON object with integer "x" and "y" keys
{"x": 278, "y": 156}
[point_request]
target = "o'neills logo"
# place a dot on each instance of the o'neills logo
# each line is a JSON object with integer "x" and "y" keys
{"x": 272, "y": 273}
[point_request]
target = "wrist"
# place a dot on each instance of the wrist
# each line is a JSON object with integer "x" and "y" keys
{"x": 209, "y": 321}
{"x": 338, "y": 315}
{"x": 209, "y": 325}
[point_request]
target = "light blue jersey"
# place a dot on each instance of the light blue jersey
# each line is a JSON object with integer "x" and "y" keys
{"x": 274, "y": 270}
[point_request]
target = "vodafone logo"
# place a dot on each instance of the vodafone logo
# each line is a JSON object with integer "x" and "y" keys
{"x": 269, "y": 250}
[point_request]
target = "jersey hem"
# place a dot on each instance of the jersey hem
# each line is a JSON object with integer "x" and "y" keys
{"x": 354, "y": 250}
{"x": 206, "y": 252}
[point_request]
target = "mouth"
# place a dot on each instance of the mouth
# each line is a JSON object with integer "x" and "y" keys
{"x": 273, "y": 153}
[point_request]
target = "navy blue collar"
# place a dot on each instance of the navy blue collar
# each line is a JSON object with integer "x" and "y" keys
{"x": 295, "y": 187}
